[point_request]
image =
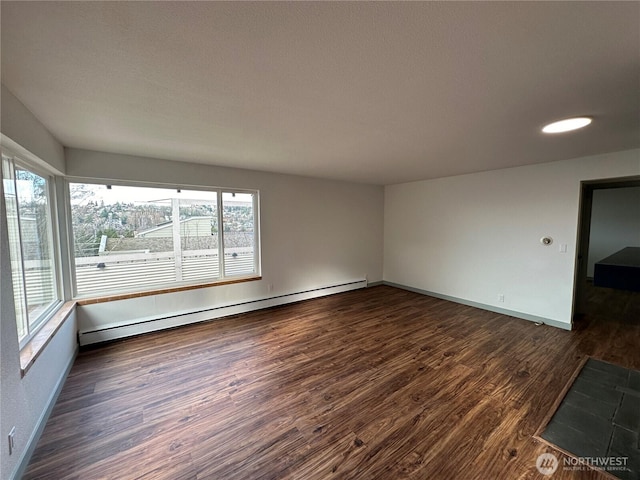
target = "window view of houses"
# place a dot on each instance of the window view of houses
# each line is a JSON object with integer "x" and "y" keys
{"x": 124, "y": 235}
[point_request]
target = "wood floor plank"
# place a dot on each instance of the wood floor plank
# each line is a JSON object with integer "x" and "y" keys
{"x": 378, "y": 383}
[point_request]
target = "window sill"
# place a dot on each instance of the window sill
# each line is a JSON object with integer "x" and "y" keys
{"x": 146, "y": 293}
{"x": 41, "y": 339}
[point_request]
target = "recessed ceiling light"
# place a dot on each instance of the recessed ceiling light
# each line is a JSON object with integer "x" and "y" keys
{"x": 567, "y": 125}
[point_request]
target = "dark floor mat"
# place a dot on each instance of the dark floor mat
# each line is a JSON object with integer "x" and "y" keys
{"x": 598, "y": 420}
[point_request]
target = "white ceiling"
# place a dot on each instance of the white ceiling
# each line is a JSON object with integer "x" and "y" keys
{"x": 368, "y": 91}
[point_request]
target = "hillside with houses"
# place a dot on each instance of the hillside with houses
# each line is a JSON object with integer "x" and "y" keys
{"x": 148, "y": 226}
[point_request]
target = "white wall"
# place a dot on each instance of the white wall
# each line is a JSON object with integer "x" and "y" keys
{"x": 615, "y": 222}
{"x": 24, "y": 401}
{"x": 475, "y": 237}
{"x": 314, "y": 233}
{"x": 21, "y": 126}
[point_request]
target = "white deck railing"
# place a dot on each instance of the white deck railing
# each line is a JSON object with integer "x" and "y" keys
{"x": 122, "y": 272}
{"x": 138, "y": 271}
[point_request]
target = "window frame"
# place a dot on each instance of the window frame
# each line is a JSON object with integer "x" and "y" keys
{"x": 169, "y": 286}
{"x": 25, "y": 161}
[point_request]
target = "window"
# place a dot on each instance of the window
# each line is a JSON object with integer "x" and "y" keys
{"x": 31, "y": 245}
{"x": 239, "y": 233}
{"x": 132, "y": 238}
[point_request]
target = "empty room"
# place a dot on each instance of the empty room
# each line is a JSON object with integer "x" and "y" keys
{"x": 318, "y": 240}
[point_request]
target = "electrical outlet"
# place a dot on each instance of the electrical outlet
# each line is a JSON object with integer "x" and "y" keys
{"x": 501, "y": 298}
{"x": 12, "y": 440}
{"x": 270, "y": 287}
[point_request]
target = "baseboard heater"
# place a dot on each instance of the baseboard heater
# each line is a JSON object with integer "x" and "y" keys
{"x": 113, "y": 331}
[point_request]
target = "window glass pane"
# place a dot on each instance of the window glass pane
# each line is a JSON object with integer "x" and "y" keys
{"x": 15, "y": 251}
{"x": 198, "y": 213}
{"x": 37, "y": 245}
{"x": 239, "y": 233}
{"x": 122, "y": 236}
{"x": 31, "y": 245}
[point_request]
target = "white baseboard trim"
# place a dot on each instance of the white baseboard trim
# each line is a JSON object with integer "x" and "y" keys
{"x": 176, "y": 319}
{"x": 491, "y": 308}
{"x": 32, "y": 443}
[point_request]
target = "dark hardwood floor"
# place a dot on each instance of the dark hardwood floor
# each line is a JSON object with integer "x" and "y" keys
{"x": 378, "y": 383}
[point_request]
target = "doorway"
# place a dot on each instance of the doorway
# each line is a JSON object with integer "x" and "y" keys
{"x": 596, "y": 239}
